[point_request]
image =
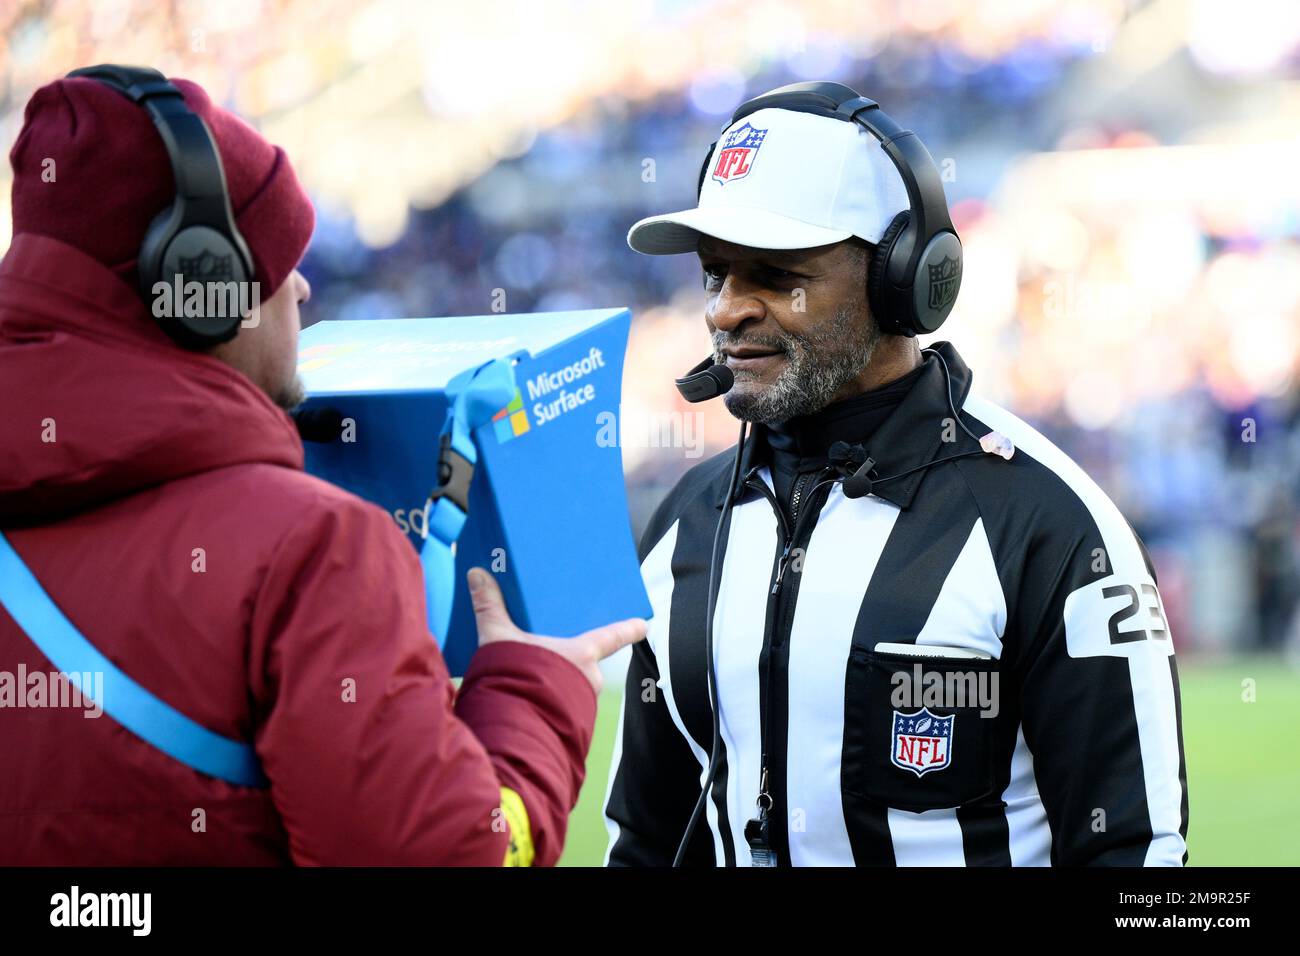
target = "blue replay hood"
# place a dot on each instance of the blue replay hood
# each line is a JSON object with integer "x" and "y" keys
{"x": 548, "y": 510}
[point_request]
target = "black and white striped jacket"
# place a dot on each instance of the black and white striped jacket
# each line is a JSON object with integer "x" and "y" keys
{"x": 1020, "y": 574}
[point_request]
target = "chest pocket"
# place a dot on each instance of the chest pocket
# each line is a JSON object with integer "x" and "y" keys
{"x": 914, "y": 737}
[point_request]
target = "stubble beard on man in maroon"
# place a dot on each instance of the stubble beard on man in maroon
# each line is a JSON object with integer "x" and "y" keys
{"x": 291, "y": 395}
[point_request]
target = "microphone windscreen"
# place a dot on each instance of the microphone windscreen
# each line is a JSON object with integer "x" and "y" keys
{"x": 707, "y": 380}
{"x": 725, "y": 378}
{"x": 857, "y": 486}
{"x": 319, "y": 424}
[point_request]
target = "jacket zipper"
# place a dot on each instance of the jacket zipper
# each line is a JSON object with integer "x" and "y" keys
{"x": 796, "y": 495}
{"x": 780, "y": 614}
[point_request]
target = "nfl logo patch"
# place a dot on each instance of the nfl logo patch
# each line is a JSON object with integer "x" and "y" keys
{"x": 921, "y": 741}
{"x": 736, "y": 153}
{"x": 944, "y": 279}
{"x": 205, "y": 267}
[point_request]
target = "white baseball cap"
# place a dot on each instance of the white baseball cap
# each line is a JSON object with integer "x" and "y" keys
{"x": 782, "y": 179}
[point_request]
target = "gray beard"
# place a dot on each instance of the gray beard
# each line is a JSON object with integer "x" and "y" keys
{"x": 819, "y": 363}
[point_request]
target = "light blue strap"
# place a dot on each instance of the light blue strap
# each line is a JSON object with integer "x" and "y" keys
{"x": 123, "y": 699}
{"x": 474, "y": 397}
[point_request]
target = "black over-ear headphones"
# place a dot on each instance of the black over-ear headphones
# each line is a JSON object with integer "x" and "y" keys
{"x": 916, "y": 270}
{"x": 195, "y": 239}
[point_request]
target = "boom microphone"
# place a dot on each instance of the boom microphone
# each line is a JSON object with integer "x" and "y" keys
{"x": 707, "y": 380}
{"x": 318, "y": 424}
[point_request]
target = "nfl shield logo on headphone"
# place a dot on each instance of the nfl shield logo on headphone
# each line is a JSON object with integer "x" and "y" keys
{"x": 944, "y": 280}
{"x": 206, "y": 267}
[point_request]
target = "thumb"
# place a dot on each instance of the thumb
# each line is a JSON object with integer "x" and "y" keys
{"x": 614, "y": 637}
{"x": 490, "y": 612}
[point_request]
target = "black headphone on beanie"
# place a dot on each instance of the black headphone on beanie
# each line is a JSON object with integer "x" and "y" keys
{"x": 194, "y": 239}
{"x": 915, "y": 273}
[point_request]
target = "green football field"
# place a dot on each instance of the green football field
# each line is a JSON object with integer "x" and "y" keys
{"x": 1243, "y": 768}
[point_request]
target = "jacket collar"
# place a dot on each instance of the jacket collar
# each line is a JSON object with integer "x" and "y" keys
{"x": 914, "y": 434}
{"x": 46, "y": 276}
{"x": 78, "y": 346}
{"x": 47, "y": 283}
{"x": 911, "y": 436}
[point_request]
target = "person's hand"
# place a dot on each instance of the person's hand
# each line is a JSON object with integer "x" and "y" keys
{"x": 585, "y": 651}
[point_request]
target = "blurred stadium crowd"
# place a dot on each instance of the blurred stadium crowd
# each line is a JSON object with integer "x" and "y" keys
{"x": 1122, "y": 174}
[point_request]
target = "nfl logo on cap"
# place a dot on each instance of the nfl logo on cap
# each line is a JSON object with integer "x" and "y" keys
{"x": 736, "y": 153}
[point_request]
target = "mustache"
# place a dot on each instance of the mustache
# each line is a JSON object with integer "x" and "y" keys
{"x": 775, "y": 343}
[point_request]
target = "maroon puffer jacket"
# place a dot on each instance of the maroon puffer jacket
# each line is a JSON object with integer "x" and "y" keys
{"x": 304, "y": 588}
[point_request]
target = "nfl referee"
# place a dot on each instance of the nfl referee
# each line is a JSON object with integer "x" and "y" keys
{"x": 895, "y": 625}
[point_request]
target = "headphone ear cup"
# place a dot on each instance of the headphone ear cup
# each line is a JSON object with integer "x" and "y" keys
{"x": 878, "y": 298}
{"x": 203, "y": 255}
{"x": 149, "y": 261}
{"x": 937, "y": 282}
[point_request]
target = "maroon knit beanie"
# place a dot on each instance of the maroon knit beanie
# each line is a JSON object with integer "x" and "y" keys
{"x": 111, "y": 177}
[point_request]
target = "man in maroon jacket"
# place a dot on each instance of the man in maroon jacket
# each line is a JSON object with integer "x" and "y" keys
{"x": 158, "y": 496}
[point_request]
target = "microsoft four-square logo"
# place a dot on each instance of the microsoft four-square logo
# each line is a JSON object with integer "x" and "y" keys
{"x": 511, "y": 421}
